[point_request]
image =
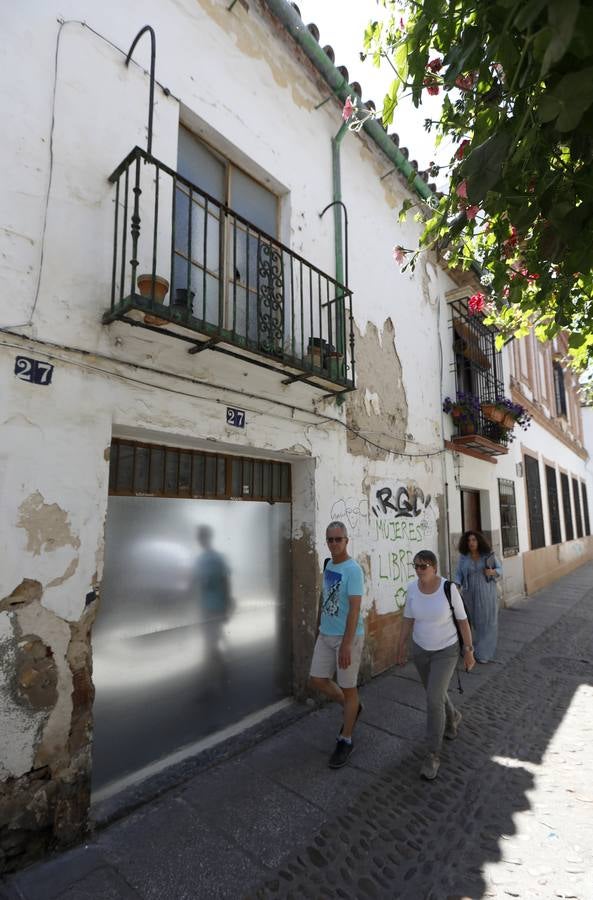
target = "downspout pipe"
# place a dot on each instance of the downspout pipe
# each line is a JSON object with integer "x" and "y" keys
{"x": 295, "y": 26}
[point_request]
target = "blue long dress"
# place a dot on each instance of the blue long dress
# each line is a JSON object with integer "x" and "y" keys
{"x": 481, "y": 601}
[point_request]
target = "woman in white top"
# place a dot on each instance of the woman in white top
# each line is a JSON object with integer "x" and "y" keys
{"x": 435, "y": 651}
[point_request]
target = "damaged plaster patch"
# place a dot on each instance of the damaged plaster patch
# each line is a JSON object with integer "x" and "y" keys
{"x": 67, "y": 574}
{"x": 21, "y": 726}
{"x": 46, "y": 525}
{"x": 378, "y": 409}
{"x": 26, "y": 592}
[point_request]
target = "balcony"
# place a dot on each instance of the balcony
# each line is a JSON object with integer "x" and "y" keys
{"x": 187, "y": 266}
{"x": 478, "y": 373}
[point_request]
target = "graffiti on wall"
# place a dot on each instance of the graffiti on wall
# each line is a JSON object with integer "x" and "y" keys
{"x": 350, "y": 511}
{"x": 404, "y": 521}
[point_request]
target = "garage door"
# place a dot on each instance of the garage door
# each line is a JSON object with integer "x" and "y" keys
{"x": 192, "y": 633}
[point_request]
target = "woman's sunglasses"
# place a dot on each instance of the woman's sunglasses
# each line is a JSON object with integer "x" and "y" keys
{"x": 421, "y": 565}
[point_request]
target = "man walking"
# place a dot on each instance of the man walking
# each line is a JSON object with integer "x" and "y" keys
{"x": 341, "y": 637}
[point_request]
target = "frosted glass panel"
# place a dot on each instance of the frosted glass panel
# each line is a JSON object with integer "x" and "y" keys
{"x": 192, "y": 630}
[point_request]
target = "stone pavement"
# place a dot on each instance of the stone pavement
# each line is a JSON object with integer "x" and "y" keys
{"x": 510, "y": 815}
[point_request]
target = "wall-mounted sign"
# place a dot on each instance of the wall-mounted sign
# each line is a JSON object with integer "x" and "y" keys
{"x": 235, "y": 417}
{"x": 33, "y": 370}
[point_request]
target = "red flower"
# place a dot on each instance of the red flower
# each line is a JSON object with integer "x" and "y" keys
{"x": 435, "y": 64}
{"x": 465, "y": 82}
{"x": 460, "y": 153}
{"x": 431, "y": 85}
{"x": 472, "y": 211}
{"x": 476, "y": 303}
{"x": 462, "y": 189}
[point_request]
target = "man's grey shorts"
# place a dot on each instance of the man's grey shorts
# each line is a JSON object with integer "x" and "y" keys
{"x": 325, "y": 659}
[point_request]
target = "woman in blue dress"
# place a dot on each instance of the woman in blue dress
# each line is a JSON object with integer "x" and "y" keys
{"x": 477, "y": 572}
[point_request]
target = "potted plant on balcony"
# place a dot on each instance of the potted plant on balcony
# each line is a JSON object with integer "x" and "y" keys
{"x": 464, "y": 410}
{"x": 154, "y": 288}
{"x": 506, "y": 413}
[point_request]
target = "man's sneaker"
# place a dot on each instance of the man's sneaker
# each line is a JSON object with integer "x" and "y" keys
{"x": 340, "y": 755}
{"x": 430, "y": 767}
{"x": 452, "y": 727}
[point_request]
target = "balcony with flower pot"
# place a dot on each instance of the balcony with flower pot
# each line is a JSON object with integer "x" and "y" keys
{"x": 187, "y": 266}
{"x": 474, "y": 433}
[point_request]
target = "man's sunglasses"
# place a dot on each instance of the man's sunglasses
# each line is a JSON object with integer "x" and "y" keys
{"x": 334, "y": 540}
{"x": 421, "y": 565}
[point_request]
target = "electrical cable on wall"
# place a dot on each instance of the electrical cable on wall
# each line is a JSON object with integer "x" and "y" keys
{"x": 273, "y": 403}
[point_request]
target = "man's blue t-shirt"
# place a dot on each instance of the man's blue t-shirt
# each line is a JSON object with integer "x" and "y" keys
{"x": 340, "y": 581}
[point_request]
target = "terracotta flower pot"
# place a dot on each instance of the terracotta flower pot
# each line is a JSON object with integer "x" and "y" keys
{"x": 153, "y": 288}
{"x": 156, "y": 287}
{"x": 493, "y": 413}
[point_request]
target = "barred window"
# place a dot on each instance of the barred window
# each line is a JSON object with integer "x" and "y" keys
{"x": 566, "y": 506}
{"x": 553, "y": 505}
{"x": 559, "y": 390}
{"x": 577, "y": 507}
{"x": 508, "y": 517}
{"x": 152, "y": 470}
{"x": 586, "y": 510}
{"x": 534, "y": 503}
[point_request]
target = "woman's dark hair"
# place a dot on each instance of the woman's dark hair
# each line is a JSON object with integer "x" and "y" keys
{"x": 426, "y": 556}
{"x": 483, "y": 545}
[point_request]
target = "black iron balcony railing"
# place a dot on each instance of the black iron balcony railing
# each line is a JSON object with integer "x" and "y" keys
{"x": 184, "y": 264}
{"x": 478, "y": 375}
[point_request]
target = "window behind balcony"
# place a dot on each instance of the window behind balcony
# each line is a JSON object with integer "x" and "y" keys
{"x": 478, "y": 365}
{"x": 224, "y": 270}
{"x": 553, "y": 505}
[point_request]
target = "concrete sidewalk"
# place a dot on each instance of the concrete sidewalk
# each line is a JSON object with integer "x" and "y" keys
{"x": 508, "y": 816}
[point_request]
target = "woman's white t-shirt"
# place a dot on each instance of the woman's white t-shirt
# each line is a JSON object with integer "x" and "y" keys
{"x": 434, "y": 628}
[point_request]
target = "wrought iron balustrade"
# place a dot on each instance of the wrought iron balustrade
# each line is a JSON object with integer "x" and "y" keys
{"x": 213, "y": 279}
{"x": 478, "y": 372}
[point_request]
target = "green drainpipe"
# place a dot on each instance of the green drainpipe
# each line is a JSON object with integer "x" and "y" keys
{"x": 338, "y": 212}
{"x": 284, "y": 12}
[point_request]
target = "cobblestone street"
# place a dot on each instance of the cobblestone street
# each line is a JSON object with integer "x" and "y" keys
{"x": 509, "y": 815}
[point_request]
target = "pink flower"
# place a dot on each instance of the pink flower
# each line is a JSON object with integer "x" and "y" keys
{"x": 460, "y": 153}
{"x": 402, "y": 24}
{"x": 435, "y": 64}
{"x": 472, "y": 211}
{"x": 476, "y": 303}
{"x": 399, "y": 255}
{"x": 462, "y": 190}
{"x": 431, "y": 85}
{"x": 348, "y": 109}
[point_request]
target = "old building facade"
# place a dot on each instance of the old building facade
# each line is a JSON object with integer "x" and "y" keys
{"x": 209, "y": 354}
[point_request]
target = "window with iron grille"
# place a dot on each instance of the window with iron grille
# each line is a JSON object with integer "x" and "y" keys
{"x": 559, "y": 390}
{"x": 566, "y": 507}
{"x": 586, "y": 510}
{"x": 534, "y": 503}
{"x": 151, "y": 470}
{"x": 508, "y": 517}
{"x": 577, "y": 507}
{"x": 553, "y": 505}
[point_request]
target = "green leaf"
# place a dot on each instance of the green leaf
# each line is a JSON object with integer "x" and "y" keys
{"x": 562, "y": 16}
{"x": 528, "y": 13}
{"x": 483, "y": 167}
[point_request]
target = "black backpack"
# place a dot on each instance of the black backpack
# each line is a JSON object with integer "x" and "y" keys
{"x": 447, "y": 588}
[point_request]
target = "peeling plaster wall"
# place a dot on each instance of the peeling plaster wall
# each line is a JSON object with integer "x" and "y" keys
{"x": 236, "y": 83}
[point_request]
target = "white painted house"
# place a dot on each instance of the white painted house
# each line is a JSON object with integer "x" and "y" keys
{"x": 272, "y": 371}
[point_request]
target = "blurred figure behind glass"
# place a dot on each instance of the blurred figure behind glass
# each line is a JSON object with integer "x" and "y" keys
{"x": 212, "y": 580}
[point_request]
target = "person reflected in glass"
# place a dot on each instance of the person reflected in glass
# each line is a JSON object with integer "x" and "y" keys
{"x": 435, "y": 651}
{"x": 477, "y": 572}
{"x": 212, "y": 579}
